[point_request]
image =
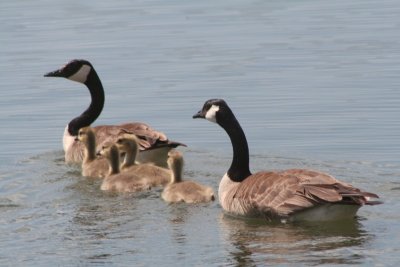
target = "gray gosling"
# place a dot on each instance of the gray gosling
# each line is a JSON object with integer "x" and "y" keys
{"x": 92, "y": 166}
{"x": 154, "y": 175}
{"x": 184, "y": 191}
{"x": 115, "y": 180}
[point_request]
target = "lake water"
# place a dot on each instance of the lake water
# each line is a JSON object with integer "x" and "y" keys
{"x": 315, "y": 84}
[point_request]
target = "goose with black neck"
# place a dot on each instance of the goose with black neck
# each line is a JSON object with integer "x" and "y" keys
{"x": 154, "y": 145}
{"x": 288, "y": 195}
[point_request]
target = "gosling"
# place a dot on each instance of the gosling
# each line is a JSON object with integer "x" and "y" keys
{"x": 184, "y": 191}
{"x": 92, "y": 166}
{"x": 116, "y": 181}
{"x": 154, "y": 175}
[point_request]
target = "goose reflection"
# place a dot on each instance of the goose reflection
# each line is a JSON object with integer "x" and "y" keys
{"x": 255, "y": 242}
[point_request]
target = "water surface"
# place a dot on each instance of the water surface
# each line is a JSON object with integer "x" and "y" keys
{"x": 314, "y": 85}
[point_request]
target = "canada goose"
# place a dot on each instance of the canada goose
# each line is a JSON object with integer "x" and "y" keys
{"x": 115, "y": 180}
{"x": 294, "y": 194}
{"x": 184, "y": 191}
{"x": 155, "y": 143}
{"x": 92, "y": 166}
{"x": 154, "y": 175}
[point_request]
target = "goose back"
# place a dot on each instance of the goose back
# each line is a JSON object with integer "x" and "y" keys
{"x": 285, "y": 193}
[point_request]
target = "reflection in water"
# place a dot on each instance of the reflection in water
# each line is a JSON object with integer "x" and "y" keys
{"x": 6, "y": 203}
{"x": 100, "y": 218}
{"x": 190, "y": 233}
{"x": 256, "y": 241}
{"x": 178, "y": 216}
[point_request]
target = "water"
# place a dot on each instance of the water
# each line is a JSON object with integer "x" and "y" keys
{"x": 314, "y": 85}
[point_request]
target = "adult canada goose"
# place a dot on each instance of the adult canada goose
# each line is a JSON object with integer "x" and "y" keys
{"x": 154, "y": 175}
{"x": 92, "y": 166}
{"x": 155, "y": 144}
{"x": 184, "y": 191}
{"x": 295, "y": 194}
{"x": 115, "y": 180}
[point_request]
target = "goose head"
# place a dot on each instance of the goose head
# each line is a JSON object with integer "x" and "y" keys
{"x": 214, "y": 110}
{"x": 76, "y": 70}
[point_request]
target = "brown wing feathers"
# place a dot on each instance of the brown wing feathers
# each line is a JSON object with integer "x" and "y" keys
{"x": 148, "y": 137}
{"x": 284, "y": 193}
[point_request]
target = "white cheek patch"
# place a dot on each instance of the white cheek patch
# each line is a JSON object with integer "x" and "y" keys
{"x": 81, "y": 75}
{"x": 212, "y": 113}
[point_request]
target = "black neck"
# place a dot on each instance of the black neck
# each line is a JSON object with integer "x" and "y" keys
{"x": 95, "y": 87}
{"x": 239, "y": 169}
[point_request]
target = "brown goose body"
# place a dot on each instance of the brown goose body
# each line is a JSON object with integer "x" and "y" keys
{"x": 155, "y": 145}
{"x": 294, "y": 194}
{"x": 289, "y": 193}
{"x": 184, "y": 191}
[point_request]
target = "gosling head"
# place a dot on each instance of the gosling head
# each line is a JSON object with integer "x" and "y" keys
{"x": 127, "y": 142}
{"x": 175, "y": 164}
{"x": 107, "y": 149}
{"x": 84, "y": 134}
{"x": 76, "y": 70}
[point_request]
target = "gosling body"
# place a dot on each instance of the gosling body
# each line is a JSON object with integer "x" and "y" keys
{"x": 116, "y": 181}
{"x": 184, "y": 191}
{"x": 154, "y": 175}
{"x": 92, "y": 166}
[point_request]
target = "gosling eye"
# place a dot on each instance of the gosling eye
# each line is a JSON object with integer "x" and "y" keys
{"x": 119, "y": 141}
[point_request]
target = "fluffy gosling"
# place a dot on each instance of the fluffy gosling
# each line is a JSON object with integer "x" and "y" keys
{"x": 184, "y": 191}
